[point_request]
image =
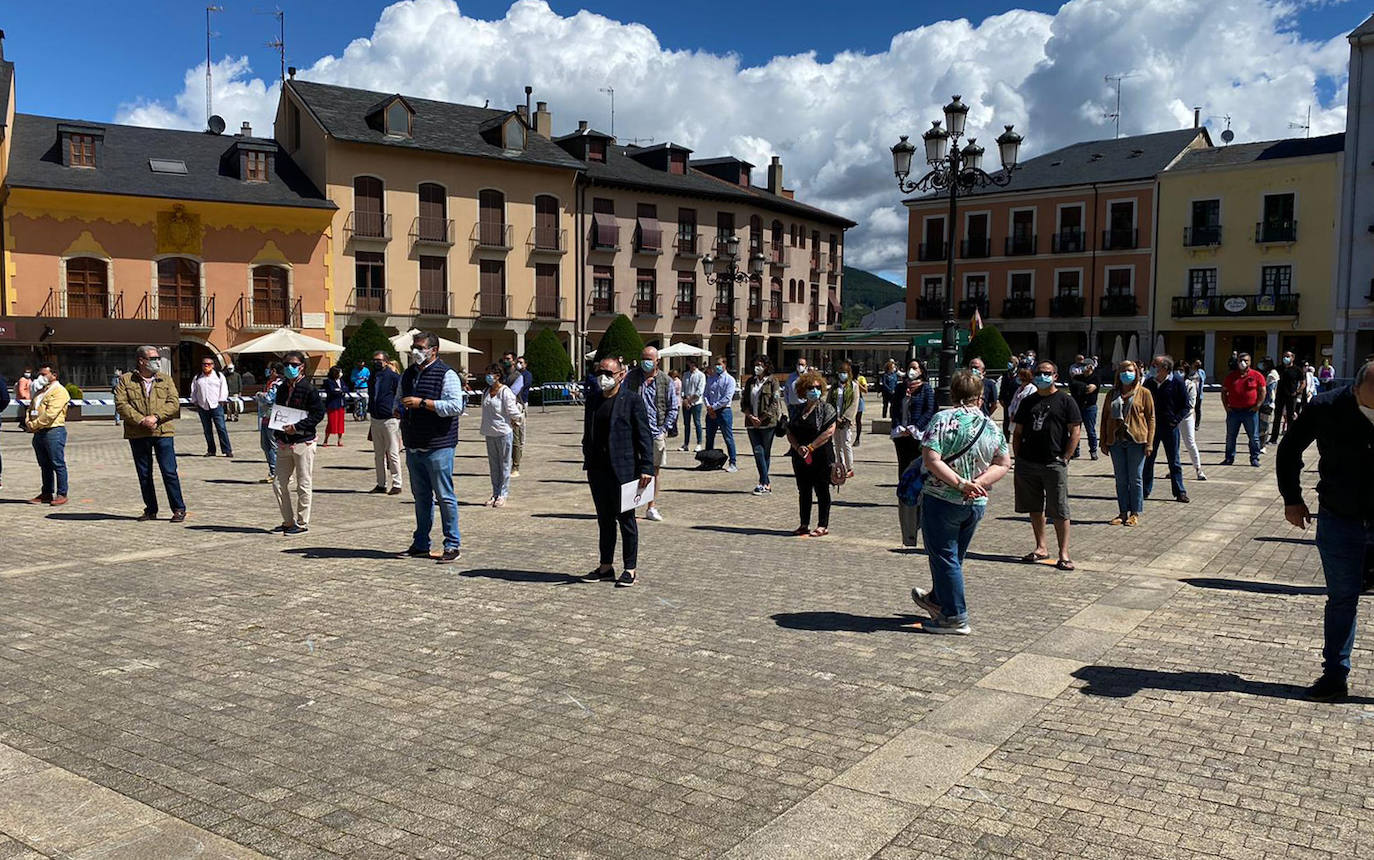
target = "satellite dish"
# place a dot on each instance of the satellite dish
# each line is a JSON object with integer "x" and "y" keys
{"x": 1227, "y": 136}
{"x": 216, "y": 124}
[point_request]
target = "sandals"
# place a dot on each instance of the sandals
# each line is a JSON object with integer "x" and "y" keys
{"x": 1064, "y": 564}
{"x": 819, "y": 531}
{"x": 801, "y": 531}
{"x": 1034, "y": 557}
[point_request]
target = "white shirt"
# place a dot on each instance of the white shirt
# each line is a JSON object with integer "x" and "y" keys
{"x": 1028, "y": 388}
{"x": 207, "y": 392}
{"x": 499, "y": 411}
{"x": 755, "y": 389}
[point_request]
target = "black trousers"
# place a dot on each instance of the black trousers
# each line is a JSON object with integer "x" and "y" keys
{"x": 606, "y": 496}
{"x": 1285, "y": 409}
{"x": 908, "y": 449}
{"x": 814, "y": 478}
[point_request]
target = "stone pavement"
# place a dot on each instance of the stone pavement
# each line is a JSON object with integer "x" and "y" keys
{"x": 213, "y": 689}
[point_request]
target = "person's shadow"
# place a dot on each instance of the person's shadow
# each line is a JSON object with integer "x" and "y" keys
{"x": 1121, "y": 682}
{"x": 538, "y": 576}
{"x": 831, "y": 622}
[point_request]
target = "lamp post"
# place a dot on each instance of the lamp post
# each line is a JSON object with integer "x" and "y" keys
{"x": 952, "y": 170}
{"x": 730, "y": 276}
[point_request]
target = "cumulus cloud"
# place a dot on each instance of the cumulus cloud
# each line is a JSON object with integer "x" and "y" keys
{"x": 833, "y": 122}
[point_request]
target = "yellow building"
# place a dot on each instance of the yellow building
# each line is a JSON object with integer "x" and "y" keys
{"x": 1246, "y": 251}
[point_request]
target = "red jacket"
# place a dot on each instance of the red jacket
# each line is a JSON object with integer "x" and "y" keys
{"x": 1243, "y": 390}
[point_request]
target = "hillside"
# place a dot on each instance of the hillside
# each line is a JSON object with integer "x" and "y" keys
{"x": 864, "y": 292}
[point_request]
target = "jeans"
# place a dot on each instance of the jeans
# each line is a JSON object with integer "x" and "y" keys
{"x": 1128, "y": 462}
{"x": 499, "y": 462}
{"x": 692, "y": 415}
{"x": 1168, "y": 437}
{"x": 50, "y": 448}
{"x": 216, "y": 417}
{"x": 948, "y": 529}
{"x": 1344, "y": 545}
{"x": 724, "y": 421}
{"x": 1090, "y": 427}
{"x": 296, "y": 459}
{"x": 761, "y": 440}
{"x": 386, "y": 451}
{"x": 606, "y": 497}
{"x": 269, "y": 448}
{"x": 431, "y": 479}
{"x": 360, "y": 407}
{"x": 1236, "y": 419}
{"x": 164, "y": 448}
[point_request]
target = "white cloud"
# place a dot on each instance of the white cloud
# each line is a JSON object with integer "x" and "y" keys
{"x": 833, "y": 122}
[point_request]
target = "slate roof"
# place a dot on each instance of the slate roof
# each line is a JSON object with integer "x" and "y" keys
{"x": 622, "y": 171}
{"x": 1264, "y": 150}
{"x": 6, "y": 75}
{"x": 122, "y": 168}
{"x": 1123, "y": 159}
{"x": 438, "y": 126}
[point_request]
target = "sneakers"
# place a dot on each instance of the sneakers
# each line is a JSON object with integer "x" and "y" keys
{"x": 684, "y": 448}
{"x": 515, "y": 473}
{"x": 414, "y": 552}
{"x": 178, "y": 517}
{"x": 1182, "y": 497}
{"x": 945, "y": 626}
{"x": 377, "y": 490}
{"x": 653, "y": 514}
{"x": 599, "y": 575}
{"x": 269, "y": 479}
{"x": 627, "y": 579}
{"x": 731, "y": 467}
{"x": 926, "y": 601}
{"x": 295, "y": 529}
{"x": 1328, "y": 688}
{"x": 450, "y": 556}
{"x": 146, "y": 516}
{"x": 1200, "y": 476}
{"x": 698, "y": 447}
{"x": 1133, "y": 520}
{"x": 499, "y": 503}
{"x": 394, "y": 491}
{"x": 761, "y": 490}
{"x": 1093, "y": 454}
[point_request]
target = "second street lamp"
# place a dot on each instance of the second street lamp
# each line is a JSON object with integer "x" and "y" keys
{"x": 728, "y": 277}
{"x": 952, "y": 170}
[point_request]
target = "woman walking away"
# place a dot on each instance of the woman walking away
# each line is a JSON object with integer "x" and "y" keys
{"x": 763, "y": 406}
{"x": 845, "y": 398}
{"x": 617, "y": 448}
{"x": 964, "y": 454}
{"x": 889, "y": 382}
{"x": 500, "y": 416}
{"x": 334, "y": 406}
{"x": 912, "y": 409}
{"x": 809, "y": 434}
{"x": 1128, "y": 425}
{"x": 1187, "y": 428}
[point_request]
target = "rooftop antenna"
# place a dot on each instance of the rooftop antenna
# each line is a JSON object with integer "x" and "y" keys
{"x": 636, "y": 141}
{"x": 610, "y": 90}
{"x": 209, "y": 111}
{"x": 278, "y": 44}
{"x": 1227, "y": 135}
{"x": 1306, "y": 126}
{"x": 1117, "y": 79}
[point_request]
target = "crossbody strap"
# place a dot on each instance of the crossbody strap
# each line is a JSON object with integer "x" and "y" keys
{"x": 974, "y": 441}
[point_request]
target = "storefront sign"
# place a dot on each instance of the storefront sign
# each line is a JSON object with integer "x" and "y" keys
{"x": 1234, "y": 305}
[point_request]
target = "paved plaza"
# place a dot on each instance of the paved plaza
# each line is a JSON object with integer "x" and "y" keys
{"x": 212, "y": 689}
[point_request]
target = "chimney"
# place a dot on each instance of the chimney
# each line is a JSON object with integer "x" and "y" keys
{"x": 581, "y": 126}
{"x": 775, "y": 176}
{"x": 291, "y": 70}
{"x": 543, "y": 120}
{"x": 524, "y": 113}
{"x": 528, "y": 90}
{"x": 2, "y": 44}
{"x": 1197, "y": 117}
{"x": 247, "y": 130}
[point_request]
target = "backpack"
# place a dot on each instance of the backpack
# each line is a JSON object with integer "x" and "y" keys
{"x": 711, "y": 459}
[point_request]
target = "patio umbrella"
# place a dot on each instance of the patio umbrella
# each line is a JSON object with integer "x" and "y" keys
{"x": 1159, "y": 345}
{"x": 1133, "y": 351}
{"x": 402, "y": 343}
{"x": 683, "y": 350}
{"x": 283, "y": 340}
{"x": 1118, "y": 355}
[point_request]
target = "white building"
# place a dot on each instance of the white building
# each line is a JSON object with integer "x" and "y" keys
{"x": 1354, "y": 312}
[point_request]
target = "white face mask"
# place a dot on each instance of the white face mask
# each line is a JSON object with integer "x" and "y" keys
{"x": 913, "y": 373}
{"x": 41, "y": 381}
{"x": 758, "y": 370}
{"x": 418, "y": 354}
{"x": 606, "y": 383}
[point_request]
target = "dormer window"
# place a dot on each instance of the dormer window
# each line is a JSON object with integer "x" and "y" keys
{"x": 514, "y": 134}
{"x": 744, "y": 176}
{"x": 255, "y": 167}
{"x": 596, "y": 150}
{"x": 80, "y": 144}
{"x": 677, "y": 162}
{"x": 82, "y": 148}
{"x": 398, "y": 119}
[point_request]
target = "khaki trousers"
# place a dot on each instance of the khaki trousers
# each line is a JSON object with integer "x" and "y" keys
{"x": 386, "y": 451}
{"x": 518, "y": 440}
{"x": 297, "y": 460}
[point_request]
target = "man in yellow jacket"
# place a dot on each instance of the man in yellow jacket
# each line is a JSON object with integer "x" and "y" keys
{"x": 146, "y": 399}
{"x": 46, "y": 419}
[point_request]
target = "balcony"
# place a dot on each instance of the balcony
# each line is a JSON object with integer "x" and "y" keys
{"x": 775, "y": 308}
{"x": 926, "y": 252}
{"x": 648, "y": 242}
{"x": 688, "y": 309}
{"x": 756, "y": 310}
{"x": 547, "y": 241}
{"x": 1068, "y": 305}
{"x": 490, "y": 236}
{"x": 724, "y": 310}
{"x": 367, "y": 227}
{"x": 647, "y": 306}
{"x": 1269, "y": 232}
{"x": 1236, "y": 305}
{"x": 723, "y": 245}
{"x": 264, "y": 313}
{"x": 197, "y": 313}
{"x": 816, "y": 263}
{"x": 1018, "y": 307}
{"x": 604, "y": 235}
{"x": 1119, "y": 306}
{"x": 975, "y": 249}
{"x": 833, "y": 265}
{"x": 776, "y": 254}
{"x": 1202, "y": 237}
{"x": 968, "y": 306}
{"x": 687, "y": 246}
{"x": 434, "y": 232}
{"x": 1068, "y": 241}
{"x": 548, "y": 307}
{"x": 433, "y": 303}
{"x": 1020, "y": 246}
{"x": 604, "y": 305}
{"x": 1121, "y": 239}
{"x": 368, "y": 301}
{"x": 930, "y": 308}
{"x": 493, "y": 305}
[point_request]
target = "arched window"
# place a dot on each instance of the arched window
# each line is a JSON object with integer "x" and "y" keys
{"x": 546, "y": 222}
{"x": 755, "y": 234}
{"x": 88, "y": 288}
{"x": 491, "y": 218}
{"x": 271, "y": 296}
{"x": 178, "y": 290}
{"x": 433, "y": 224}
{"x": 369, "y": 219}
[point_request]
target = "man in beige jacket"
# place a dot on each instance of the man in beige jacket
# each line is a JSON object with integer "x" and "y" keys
{"x": 147, "y": 400}
{"x": 46, "y": 419}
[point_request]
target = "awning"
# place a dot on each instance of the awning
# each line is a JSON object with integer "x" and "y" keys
{"x": 284, "y": 340}
{"x": 650, "y": 234}
{"x": 685, "y": 350}
{"x": 607, "y": 231}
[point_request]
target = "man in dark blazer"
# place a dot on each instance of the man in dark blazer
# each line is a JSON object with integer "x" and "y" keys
{"x": 617, "y": 448}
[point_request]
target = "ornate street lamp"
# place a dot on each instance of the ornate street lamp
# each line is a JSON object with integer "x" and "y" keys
{"x": 730, "y": 276}
{"x": 952, "y": 170}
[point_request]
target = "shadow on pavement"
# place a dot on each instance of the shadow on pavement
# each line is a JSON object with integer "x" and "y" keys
{"x": 79, "y": 517}
{"x": 232, "y": 530}
{"x": 542, "y": 576}
{"x": 235, "y": 481}
{"x": 1252, "y": 586}
{"x": 830, "y": 622}
{"x": 977, "y": 556}
{"x": 314, "y": 552}
{"x": 704, "y": 492}
{"x": 564, "y": 516}
{"x": 350, "y": 468}
{"x": 1297, "y": 540}
{"x": 744, "y": 530}
{"x": 1120, "y": 682}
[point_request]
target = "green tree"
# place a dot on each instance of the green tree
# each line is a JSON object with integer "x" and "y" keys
{"x": 363, "y": 344}
{"x": 989, "y": 345}
{"x": 548, "y": 361}
{"x": 620, "y": 340}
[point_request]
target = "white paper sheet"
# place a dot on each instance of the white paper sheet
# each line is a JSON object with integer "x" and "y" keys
{"x": 283, "y": 416}
{"x": 631, "y": 497}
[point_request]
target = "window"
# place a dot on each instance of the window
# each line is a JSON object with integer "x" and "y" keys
{"x": 687, "y": 294}
{"x": 81, "y": 149}
{"x": 1276, "y": 280}
{"x": 368, "y": 209}
{"x": 725, "y": 228}
{"x": 254, "y": 166}
{"x": 605, "y": 231}
{"x": 546, "y": 223}
{"x": 677, "y": 162}
{"x": 167, "y": 165}
{"x": 975, "y": 286}
{"x": 433, "y": 285}
{"x": 270, "y": 296}
{"x": 432, "y": 225}
{"x": 933, "y": 248}
{"x": 88, "y": 290}
{"x": 648, "y": 234}
{"x": 491, "y": 218}
{"x": 687, "y": 229}
{"x": 1021, "y": 285}
{"x": 369, "y": 280}
{"x": 596, "y": 150}
{"x": 1023, "y": 224}
{"x": 178, "y": 290}
{"x": 933, "y": 289}
{"x": 603, "y": 289}
{"x": 646, "y": 302}
{"x": 398, "y": 119}
{"x": 515, "y": 134}
{"x": 491, "y": 288}
{"x": 755, "y": 235}
{"x": 547, "y": 303}
{"x": 1069, "y": 283}
{"x": 1205, "y": 223}
{"x": 1202, "y": 283}
{"x": 1119, "y": 281}
{"x": 1120, "y": 233}
{"x": 1070, "y": 218}
{"x": 1278, "y": 224}
{"x": 976, "y": 235}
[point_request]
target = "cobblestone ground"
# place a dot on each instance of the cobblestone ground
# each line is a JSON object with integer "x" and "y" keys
{"x": 216, "y": 689}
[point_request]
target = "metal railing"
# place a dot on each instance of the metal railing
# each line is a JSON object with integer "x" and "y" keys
{"x": 493, "y": 304}
{"x": 1120, "y": 239}
{"x": 1119, "y": 306}
{"x": 1070, "y": 241}
{"x": 687, "y": 246}
{"x": 428, "y": 230}
{"x": 926, "y": 252}
{"x": 775, "y": 309}
{"x": 647, "y": 241}
{"x": 776, "y": 254}
{"x": 545, "y": 240}
{"x": 434, "y": 303}
{"x": 367, "y": 225}
{"x": 548, "y": 307}
{"x": 968, "y": 306}
{"x": 1018, "y": 307}
{"x": 973, "y": 249}
{"x": 646, "y": 307}
{"x": 688, "y": 308}
{"x": 1066, "y": 306}
{"x": 604, "y": 304}
{"x": 930, "y": 308}
{"x": 368, "y": 301}
{"x": 1276, "y": 231}
{"x": 194, "y": 312}
{"x": 1198, "y": 237}
{"x": 1019, "y": 246}
{"x": 1237, "y": 304}
{"x": 493, "y": 236}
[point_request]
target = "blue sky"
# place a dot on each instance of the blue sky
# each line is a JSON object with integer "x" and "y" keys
{"x": 147, "y": 54}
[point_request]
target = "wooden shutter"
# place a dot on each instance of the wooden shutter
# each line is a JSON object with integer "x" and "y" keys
{"x": 178, "y": 290}
{"x": 88, "y": 293}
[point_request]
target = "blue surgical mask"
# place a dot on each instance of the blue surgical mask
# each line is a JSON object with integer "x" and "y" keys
{"x": 813, "y": 394}
{"x": 1127, "y": 377}
{"x": 844, "y": 377}
{"x": 1044, "y": 380}
{"x": 293, "y": 371}
{"x": 720, "y": 371}
{"x": 646, "y": 365}
{"x": 491, "y": 379}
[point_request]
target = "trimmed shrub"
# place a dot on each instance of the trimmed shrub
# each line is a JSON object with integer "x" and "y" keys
{"x": 546, "y": 358}
{"x": 363, "y": 344}
{"x": 620, "y": 340}
{"x": 74, "y": 391}
{"x": 989, "y": 345}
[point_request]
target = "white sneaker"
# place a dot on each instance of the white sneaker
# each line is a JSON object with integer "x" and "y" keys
{"x": 945, "y": 626}
{"x": 515, "y": 473}
{"x": 758, "y": 490}
{"x": 731, "y": 467}
{"x": 698, "y": 447}
{"x": 653, "y": 514}
{"x": 1201, "y": 477}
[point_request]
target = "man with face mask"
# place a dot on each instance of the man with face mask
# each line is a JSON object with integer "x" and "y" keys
{"x": 1048, "y": 423}
{"x": 794, "y": 402}
{"x": 147, "y": 401}
{"x": 720, "y": 393}
{"x": 1171, "y": 405}
{"x": 617, "y": 448}
{"x": 431, "y": 402}
{"x": 1341, "y": 422}
{"x": 296, "y": 445}
{"x": 693, "y": 390}
{"x": 385, "y": 384}
{"x": 662, "y": 404}
{"x": 47, "y": 421}
{"x": 514, "y": 376}
{"x": 1243, "y": 393}
{"x": 1287, "y": 395}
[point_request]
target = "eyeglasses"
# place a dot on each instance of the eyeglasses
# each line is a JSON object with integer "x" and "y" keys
{"x": 606, "y": 374}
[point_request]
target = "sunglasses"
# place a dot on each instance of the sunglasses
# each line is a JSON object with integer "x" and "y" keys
{"x": 814, "y": 388}
{"x": 294, "y": 364}
{"x": 606, "y": 374}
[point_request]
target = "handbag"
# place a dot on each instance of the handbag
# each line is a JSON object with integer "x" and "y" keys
{"x": 913, "y": 480}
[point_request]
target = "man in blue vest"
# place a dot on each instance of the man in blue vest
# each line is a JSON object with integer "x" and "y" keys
{"x": 431, "y": 401}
